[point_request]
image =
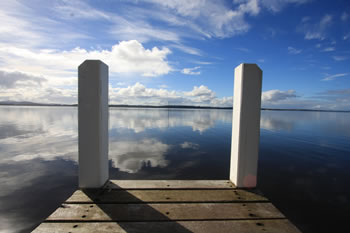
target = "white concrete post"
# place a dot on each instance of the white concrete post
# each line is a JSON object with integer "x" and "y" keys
{"x": 93, "y": 123}
{"x": 246, "y": 125}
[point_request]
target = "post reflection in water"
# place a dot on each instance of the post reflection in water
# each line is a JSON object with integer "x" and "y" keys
{"x": 300, "y": 152}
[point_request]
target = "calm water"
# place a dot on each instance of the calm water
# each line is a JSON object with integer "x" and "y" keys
{"x": 304, "y": 163}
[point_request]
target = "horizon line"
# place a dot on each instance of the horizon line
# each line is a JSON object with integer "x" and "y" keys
{"x": 26, "y": 103}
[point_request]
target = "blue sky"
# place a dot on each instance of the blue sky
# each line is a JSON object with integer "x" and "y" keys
{"x": 178, "y": 52}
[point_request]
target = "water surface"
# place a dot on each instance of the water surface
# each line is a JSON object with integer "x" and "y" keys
{"x": 303, "y": 164}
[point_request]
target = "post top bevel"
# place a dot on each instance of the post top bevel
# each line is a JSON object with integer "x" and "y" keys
{"x": 249, "y": 64}
{"x": 91, "y": 61}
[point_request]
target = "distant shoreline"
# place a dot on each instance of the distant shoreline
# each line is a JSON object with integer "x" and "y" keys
{"x": 163, "y": 106}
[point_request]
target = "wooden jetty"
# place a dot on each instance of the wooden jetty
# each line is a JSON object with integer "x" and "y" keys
{"x": 103, "y": 205}
{"x": 167, "y": 206}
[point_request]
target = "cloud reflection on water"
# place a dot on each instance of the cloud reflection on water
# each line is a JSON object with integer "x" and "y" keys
{"x": 38, "y": 132}
{"x": 38, "y": 150}
{"x": 51, "y": 133}
{"x": 131, "y": 156}
{"x": 140, "y": 120}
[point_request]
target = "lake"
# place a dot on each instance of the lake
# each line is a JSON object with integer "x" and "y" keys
{"x": 304, "y": 158}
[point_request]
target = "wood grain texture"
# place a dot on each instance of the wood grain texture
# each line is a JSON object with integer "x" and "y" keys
{"x": 239, "y": 226}
{"x": 170, "y": 184}
{"x": 167, "y": 206}
{"x": 161, "y": 196}
{"x": 164, "y": 212}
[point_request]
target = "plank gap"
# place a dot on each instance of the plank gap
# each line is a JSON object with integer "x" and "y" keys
{"x": 169, "y": 202}
{"x": 172, "y": 220}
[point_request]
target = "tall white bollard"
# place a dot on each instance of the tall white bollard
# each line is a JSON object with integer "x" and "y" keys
{"x": 93, "y": 123}
{"x": 246, "y": 125}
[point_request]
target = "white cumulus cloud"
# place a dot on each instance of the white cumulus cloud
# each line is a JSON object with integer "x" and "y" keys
{"x": 277, "y": 95}
{"x": 140, "y": 94}
{"x": 200, "y": 91}
{"x": 124, "y": 57}
{"x": 12, "y": 79}
{"x": 140, "y": 90}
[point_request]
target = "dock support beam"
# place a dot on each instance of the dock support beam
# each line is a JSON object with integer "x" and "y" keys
{"x": 93, "y": 123}
{"x": 246, "y": 125}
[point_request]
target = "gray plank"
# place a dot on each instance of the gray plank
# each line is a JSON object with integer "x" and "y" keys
{"x": 164, "y": 212}
{"x": 239, "y": 226}
{"x": 170, "y": 184}
{"x": 138, "y": 196}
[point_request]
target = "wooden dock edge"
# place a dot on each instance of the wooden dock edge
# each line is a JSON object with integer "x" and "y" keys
{"x": 167, "y": 206}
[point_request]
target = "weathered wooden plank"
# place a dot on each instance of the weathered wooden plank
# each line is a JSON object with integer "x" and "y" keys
{"x": 239, "y": 226}
{"x": 159, "y": 206}
{"x": 164, "y": 212}
{"x": 138, "y": 196}
{"x": 170, "y": 184}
